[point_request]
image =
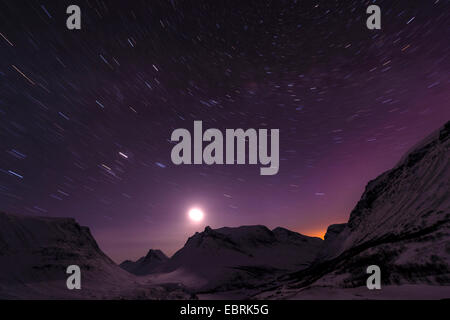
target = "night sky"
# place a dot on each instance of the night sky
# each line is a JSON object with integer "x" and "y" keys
{"x": 86, "y": 115}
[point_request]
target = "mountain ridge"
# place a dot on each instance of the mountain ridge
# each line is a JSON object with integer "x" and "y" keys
{"x": 217, "y": 256}
{"x": 36, "y": 251}
{"x": 146, "y": 264}
{"x": 401, "y": 223}
{"x": 243, "y": 256}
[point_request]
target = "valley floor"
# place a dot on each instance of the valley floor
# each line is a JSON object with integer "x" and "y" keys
{"x": 401, "y": 292}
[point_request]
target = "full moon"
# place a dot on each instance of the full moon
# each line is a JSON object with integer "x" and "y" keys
{"x": 196, "y": 214}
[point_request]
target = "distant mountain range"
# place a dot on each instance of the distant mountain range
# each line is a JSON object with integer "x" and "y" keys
{"x": 226, "y": 258}
{"x": 151, "y": 263}
{"x": 401, "y": 224}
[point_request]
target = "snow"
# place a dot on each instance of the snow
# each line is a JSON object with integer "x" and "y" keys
{"x": 402, "y": 292}
{"x": 36, "y": 251}
{"x": 401, "y": 224}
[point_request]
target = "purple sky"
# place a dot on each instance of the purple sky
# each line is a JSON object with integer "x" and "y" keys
{"x": 349, "y": 102}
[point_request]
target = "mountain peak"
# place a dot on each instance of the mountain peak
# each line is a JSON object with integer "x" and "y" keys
{"x": 333, "y": 230}
{"x": 150, "y": 263}
{"x": 207, "y": 229}
{"x": 156, "y": 254}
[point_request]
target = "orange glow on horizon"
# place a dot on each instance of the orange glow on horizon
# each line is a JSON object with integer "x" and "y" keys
{"x": 315, "y": 233}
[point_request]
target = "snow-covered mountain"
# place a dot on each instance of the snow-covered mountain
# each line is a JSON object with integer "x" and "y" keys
{"x": 401, "y": 224}
{"x": 36, "y": 251}
{"x": 237, "y": 257}
{"x": 148, "y": 264}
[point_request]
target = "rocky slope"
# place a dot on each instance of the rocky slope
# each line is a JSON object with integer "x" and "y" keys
{"x": 401, "y": 224}
{"x": 36, "y": 251}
